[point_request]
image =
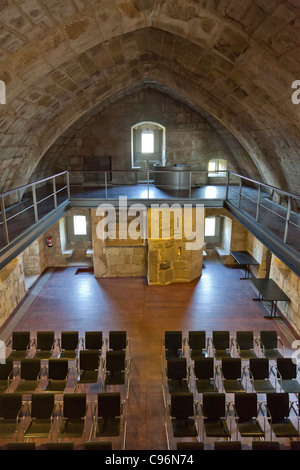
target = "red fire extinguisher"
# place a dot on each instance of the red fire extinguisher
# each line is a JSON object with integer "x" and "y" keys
{"x": 49, "y": 242}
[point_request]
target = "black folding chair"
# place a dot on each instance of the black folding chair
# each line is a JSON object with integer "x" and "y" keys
{"x": 109, "y": 417}
{"x": 197, "y": 344}
{"x": 221, "y": 344}
{"x": 69, "y": 344}
{"x": 215, "y": 412}
{"x": 245, "y": 344}
{"x": 269, "y": 343}
{"x": 181, "y": 412}
{"x": 246, "y": 412}
{"x": 88, "y": 367}
{"x": 11, "y": 409}
{"x": 57, "y": 373}
{"x": 278, "y": 414}
{"x": 30, "y": 372}
{"x": 20, "y": 342}
{"x": 42, "y": 414}
{"x": 205, "y": 373}
{"x": 73, "y": 411}
{"x": 6, "y": 375}
{"x": 232, "y": 374}
{"x": 287, "y": 371}
{"x": 45, "y": 344}
{"x": 260, "y": 373}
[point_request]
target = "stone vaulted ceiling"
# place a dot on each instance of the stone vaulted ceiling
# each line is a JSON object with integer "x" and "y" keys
{"x": 234, "y": 59}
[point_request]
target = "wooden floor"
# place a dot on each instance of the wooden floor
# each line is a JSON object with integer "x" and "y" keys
{"x": 217, "y": 301}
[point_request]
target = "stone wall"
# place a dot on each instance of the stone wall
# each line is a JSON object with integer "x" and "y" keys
{"x": 12, "y": 287}
{"x": 190, "y": 138}
{"x": 169, "y": 259}
{"x": 120, "y": 256}
{"x": 290, "y": 284}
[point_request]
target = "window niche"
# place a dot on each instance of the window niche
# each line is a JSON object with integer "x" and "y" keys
{"x": 148, "y": 143}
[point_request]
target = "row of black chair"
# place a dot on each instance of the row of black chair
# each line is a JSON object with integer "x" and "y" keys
{"x": 218, "y": 416}
{"x": 235, "y": 445}
{"x": 230, "y": 375}
{"x": 108, "y": 416}
{"x": 104, "y": 445}
{"x": 221, "y": 344}
{"x": 45, "y": 345}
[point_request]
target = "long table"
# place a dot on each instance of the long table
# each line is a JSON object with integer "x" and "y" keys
{"x": 269, "y": 291}
{"x": 244, "y": 259}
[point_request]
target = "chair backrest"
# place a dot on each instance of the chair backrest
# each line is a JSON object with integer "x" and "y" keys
{"x": 193, "y": 445}
{"x": 74, "y": 405}
{"x": 204, "y": 367}
{"x": 93, "y": 340}
{"x": 278, "y": 405}
{"x": 45, "y": 340}
{"x": 42, "y": 405}
{"x": 173, "y": 340}
{"x": 245, "y": 339}
{"x": 30, "y": 369}
{"x": 100, "y": 445}
{"x": 6, "y": 369}
{"x": 221, "y": 339}
{"x": 109, "y": 405}
{"x": 69, "y": 340}
{"x": 228, "y": 445}
{"x": 214, "y": 405}
{"x": 246, "y": 405}
{"x": 197, "y": 340}
{"x": 88, "y": 359}
{"x": 58, "y": 369}
{"x": 20, "y": 340}
{"x": 117, "y": 340}
{"x": 59, "y": 445}
{"x": 182, "y": 404}
{"x": 10, "y": 405}
{"x": 259, "y": 367}
{"x": 115, "y": 361}
{"x": 269, "y": 339}
{"x": 177, "y": 368}
{"x": 265, "y": 445}
{"x": 231, "y": 368}
{"x": 21, "y": 446}
{"x": 287, "y": 368}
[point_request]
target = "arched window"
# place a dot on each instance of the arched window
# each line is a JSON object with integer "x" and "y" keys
{"x": 148, "y": 142}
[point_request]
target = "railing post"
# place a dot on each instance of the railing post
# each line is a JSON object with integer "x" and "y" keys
{"x": 105, "y": 182}
{"x": 287, "y": 220}
{"x": 148, "y": 185}
{"x": 190, "y": 185}
{"x": 240, "y": 193}
{"x": 68, "y": 185}
{"x": 258, "y": 202}
{"x": 54, "y": 192}
{"x": 4, "y": 222}
{"x": 227, "y": 185}
{"x": 35, "y": 208}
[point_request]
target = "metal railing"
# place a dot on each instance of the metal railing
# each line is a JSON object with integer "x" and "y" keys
{"x": 285, "y": 215}
{"x": 246, "y": 194}
{"x": 34, "y": 205}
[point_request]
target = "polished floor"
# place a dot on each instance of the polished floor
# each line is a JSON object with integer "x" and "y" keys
{"x": 63, "y": 300}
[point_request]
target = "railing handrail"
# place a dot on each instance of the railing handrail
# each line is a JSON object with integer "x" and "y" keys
{"x": 137, "y": 170}
{"x": 29, "y": 185}
{"x": 274, "y": 188}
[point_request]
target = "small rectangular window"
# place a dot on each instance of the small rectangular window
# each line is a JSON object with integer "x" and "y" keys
{"x": 80, "y": 227}
{"x": 147, "y": 142}
{"x": 210, "y": 226}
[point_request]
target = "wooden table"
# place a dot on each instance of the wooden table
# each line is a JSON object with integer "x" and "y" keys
{"x": 244, "y": 259}
{"x": 269, "y": 291}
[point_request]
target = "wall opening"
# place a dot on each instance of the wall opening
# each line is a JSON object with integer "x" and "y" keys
{"x": 148, "y": 146}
